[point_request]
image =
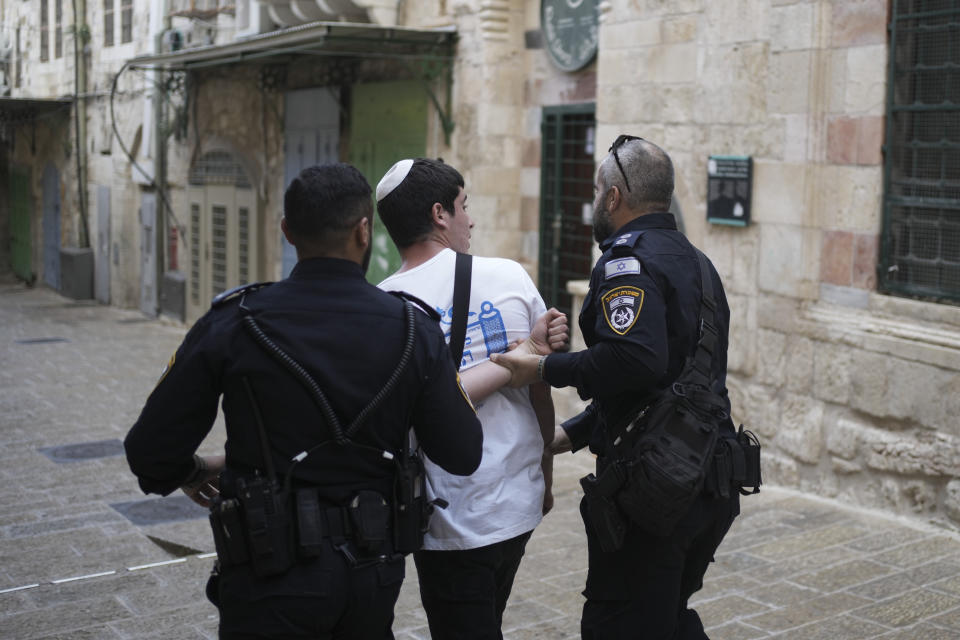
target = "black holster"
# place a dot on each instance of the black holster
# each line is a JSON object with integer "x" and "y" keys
{"x": 605, "y": 516}
{"x": 411, "y": 509}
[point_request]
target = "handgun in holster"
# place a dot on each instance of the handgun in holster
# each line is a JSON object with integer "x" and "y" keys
{"x": 608, "y": 522}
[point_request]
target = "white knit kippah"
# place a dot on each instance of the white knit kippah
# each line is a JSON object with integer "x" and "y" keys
{"x": 392, "y": 178}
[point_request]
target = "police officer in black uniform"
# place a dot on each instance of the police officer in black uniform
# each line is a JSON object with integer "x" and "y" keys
{"x": 640, "y": 321}
{"x": 321, "y": 384}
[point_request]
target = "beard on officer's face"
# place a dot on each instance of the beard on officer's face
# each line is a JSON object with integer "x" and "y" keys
{"x": 366, "y": 257}
{"x": 602, "y": 223}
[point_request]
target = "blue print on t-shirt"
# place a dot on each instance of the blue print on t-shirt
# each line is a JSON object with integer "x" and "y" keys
{"x": 486, "y": 332}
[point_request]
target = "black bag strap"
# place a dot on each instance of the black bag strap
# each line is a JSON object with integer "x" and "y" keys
{"x": 461, "y": 302}
{"x": 697, "y": 370}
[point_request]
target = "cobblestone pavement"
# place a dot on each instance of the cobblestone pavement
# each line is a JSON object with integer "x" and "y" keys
{"x": 72, "y": 566}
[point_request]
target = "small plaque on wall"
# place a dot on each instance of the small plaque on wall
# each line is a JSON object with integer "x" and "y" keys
{"x": 729, "y": 187}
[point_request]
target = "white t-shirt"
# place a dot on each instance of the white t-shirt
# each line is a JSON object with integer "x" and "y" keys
{"x": 503, "y": 498}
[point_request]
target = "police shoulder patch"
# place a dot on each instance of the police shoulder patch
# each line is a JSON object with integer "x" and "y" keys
{"x": 621, "y": 267}
{"x": 621, "y": 306}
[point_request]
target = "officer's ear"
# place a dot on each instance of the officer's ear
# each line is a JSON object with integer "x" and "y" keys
{"x": 286, "y": 231}
{"x": 439, "y": 215}
{"x": 362, "y": 232}
{"x": 613, "y": 197}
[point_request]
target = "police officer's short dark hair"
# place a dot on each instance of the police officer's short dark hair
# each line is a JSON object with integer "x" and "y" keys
{"x": 405, "y": 211}
{"x": 324, "y": 202}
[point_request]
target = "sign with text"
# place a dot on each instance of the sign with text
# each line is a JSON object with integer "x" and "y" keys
{"x": 729, "y": 187}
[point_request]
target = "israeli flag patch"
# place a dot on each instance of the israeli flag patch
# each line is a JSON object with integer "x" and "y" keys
{"x": 621, "y": 267}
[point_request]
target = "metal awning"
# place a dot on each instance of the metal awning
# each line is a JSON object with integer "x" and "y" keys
{"x": 342, "y": 39}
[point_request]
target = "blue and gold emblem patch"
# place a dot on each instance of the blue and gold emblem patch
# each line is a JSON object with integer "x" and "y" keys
{"x": 621, "y": 306}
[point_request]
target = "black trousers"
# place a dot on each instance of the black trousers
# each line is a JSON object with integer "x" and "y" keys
{"x": 642, "y": 590}
{"x": 465, "y": 592}
{"x": 323, "y": 599}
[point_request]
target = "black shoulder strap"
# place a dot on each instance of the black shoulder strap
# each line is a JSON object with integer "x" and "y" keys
{"x": 461, "y": 302}
{"x": 420, "y": 304}
{"x": 697, "y": 371}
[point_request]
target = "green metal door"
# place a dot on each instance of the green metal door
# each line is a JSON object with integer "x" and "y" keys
{"x": 20, "y": 208}
{"x": 388, "y": 123}
{"x": 566, "y": 200}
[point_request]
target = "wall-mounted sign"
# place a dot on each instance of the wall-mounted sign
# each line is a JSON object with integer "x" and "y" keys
{"x": 569, "y": 31}
{"x": 729, "y": 185}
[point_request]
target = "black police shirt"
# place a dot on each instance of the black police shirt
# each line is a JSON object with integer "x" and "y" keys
{"x": 349, "y": 336}
{"x": 640, "y": 321}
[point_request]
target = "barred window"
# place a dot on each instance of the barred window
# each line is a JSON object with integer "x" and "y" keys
{"x": 44, "y": 31}
{"x": 58, "y": 25}
{"x": 920, "y": 251}
{"x": 126, "y": 20}
{"x": 108, "y": 23}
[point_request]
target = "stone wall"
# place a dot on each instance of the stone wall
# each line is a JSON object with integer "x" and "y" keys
{"x": 853, "y": 393}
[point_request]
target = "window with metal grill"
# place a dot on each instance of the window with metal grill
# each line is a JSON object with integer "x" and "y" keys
{"x": 920, "y": 250}
{"x": 126, "y": 20}
{"x": 44, "y": 31}
{"x": 108, "y": 23}
{"x": 566, "y": 201}
{"x": 58, "y": 26}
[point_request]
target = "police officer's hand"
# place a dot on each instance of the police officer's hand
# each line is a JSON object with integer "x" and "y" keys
{"x": 561, "y": 441}
{"x": 550, "y": 333}
{"x": 521, "y": 363}
{"x": 207, "y": 484}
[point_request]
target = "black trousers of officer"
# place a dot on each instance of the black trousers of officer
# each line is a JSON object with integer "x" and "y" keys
{"x": 641, "y": 591}
{"x": 323, "y": 599}
{"x": 464, "y": 592}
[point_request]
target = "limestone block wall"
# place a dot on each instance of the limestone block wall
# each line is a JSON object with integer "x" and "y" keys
{"x": 853, "y": 393}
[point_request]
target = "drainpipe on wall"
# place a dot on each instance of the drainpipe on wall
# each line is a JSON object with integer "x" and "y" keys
{"x": 81, "y": 36}
{"x": 159, "y": 24}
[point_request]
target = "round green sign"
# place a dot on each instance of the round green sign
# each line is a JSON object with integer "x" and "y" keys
{"x": 569, "y": 31}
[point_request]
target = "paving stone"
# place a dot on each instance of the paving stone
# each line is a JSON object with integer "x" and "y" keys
{"x": 94, "y": 633}
{"x": 736, "y": 631}
{"x": 798, "y": 565}
{"x": 714, "y": 586}
{"x": 724, "y": 609}
{"x": 808, "y": 541}
{"x": 805, "y": 612}
{"x": 782, "y": 594}
{"x": 885, "y": 540}
{"x": 920, "y": 632}
{"x": 843, "y": 576}
{"x": 919, "y": 552}
{"x": 68, "y": 617}
{"x": 950, "y": 620}
{"x": 909, "y": 608}
{"x": 846, "y": 627}
{"x": 950, "y": 585}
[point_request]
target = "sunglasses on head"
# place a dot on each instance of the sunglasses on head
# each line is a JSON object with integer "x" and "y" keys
{"x": 619, "y": 142}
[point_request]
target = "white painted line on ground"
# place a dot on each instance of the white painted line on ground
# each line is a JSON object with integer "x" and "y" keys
{"x": 90, "y": 575}
{"x": 26, "y": 586}
{"x": 156, "y": 564}
{"x": 199, "y": 556}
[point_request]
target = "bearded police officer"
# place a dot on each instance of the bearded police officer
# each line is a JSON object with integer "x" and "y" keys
{"x": 322, "y": 376}
{"x": 641, "y": 322}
